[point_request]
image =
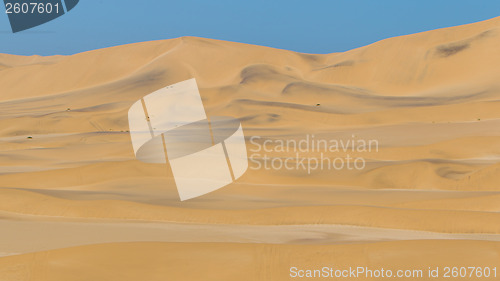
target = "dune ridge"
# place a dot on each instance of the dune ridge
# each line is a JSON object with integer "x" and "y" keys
{"x": 431, "y": 100}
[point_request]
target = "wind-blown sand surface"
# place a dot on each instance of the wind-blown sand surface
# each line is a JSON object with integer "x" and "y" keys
{"x": 75, "y": 204}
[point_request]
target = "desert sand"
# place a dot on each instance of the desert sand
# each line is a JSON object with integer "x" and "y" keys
{"x": 75, "y": 204}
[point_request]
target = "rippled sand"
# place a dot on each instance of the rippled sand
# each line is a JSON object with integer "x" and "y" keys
{"x": 75, "y": 204}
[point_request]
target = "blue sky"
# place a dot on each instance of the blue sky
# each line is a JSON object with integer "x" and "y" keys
{"x": 311, "y": 26}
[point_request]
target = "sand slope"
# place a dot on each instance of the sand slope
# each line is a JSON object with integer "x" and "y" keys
{"x": 431, "y": 100}
{"x": 226, "y": 261}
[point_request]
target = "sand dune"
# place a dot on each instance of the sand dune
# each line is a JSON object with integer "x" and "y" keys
{"x": 30, "y": 234}
{"x": 227, "y": 261}
{"x": 431, "y": 100}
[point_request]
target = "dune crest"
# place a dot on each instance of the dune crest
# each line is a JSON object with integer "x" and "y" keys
{"x": 430, "y": 100}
